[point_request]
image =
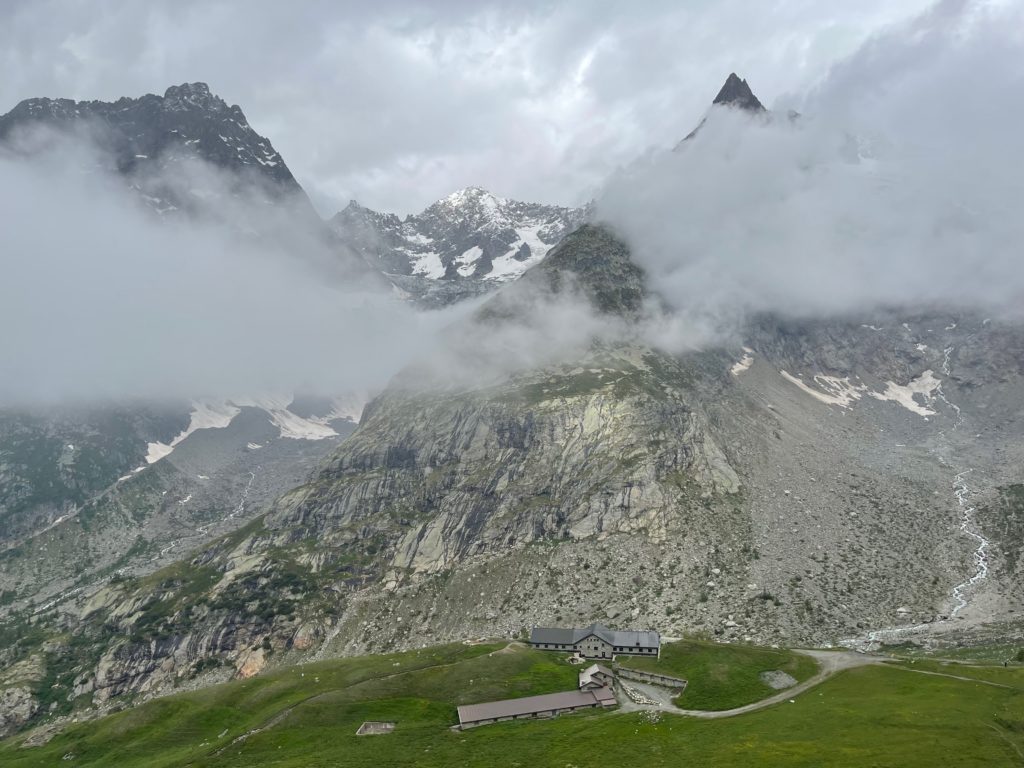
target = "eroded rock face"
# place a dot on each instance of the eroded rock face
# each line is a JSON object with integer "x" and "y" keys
{"x": 17, "y": 706}
{"x": 452, "y": 477}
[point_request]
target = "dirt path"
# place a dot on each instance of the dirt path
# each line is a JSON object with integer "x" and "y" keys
{"x": 830, "y": 663}
{"x": 956, "y": 677}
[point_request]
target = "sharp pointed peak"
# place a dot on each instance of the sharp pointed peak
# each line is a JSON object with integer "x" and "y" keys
{"x": 736, "y": 93}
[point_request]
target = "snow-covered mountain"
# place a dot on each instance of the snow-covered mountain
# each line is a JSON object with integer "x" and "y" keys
{"x": 466, "y": 244}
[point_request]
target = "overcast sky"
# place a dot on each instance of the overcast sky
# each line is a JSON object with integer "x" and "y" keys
{"x": 399, "y": 103}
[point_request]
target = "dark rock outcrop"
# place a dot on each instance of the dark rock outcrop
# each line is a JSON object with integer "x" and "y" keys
{"x": 736, "y": 93}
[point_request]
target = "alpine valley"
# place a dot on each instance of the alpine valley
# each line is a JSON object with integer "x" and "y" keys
{"x": 848, "y": 480}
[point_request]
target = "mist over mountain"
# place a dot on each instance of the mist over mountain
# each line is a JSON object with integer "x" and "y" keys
{"x": 212, "y": 288}
{"x": 186, "y": 151}
{"x": 891, "y": 189}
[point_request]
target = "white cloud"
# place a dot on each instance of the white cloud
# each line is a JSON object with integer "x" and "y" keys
{"x": 398, "y": 103}
{"x": 895, "y": 187}
{"x": 100, "y": 298}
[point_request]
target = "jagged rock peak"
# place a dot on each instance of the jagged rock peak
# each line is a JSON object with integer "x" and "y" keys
{"x": 193, "y": 95}
{"x": 354, "y": 206}
{"x": 736, "y": 93}
{"x": 147, "y": 135}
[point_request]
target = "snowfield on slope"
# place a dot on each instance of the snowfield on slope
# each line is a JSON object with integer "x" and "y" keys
{"x": 218, "y": 414}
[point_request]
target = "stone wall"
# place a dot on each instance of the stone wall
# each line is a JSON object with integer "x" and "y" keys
{"x": 651, "y": 677}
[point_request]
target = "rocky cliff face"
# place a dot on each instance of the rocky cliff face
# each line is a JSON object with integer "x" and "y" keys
{"x": 114, "y": 501}
{"x": 52, "y": 460}
{"x": 552, "y": 456}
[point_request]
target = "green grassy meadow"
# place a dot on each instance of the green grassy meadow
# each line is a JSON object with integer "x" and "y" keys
{"x": 722, "y": 676}
{"x": 306, "y": 717}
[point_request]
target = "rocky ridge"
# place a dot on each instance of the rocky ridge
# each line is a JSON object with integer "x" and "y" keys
{"x": 155, "y": 143}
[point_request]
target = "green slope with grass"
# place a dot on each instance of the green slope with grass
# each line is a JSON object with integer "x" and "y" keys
{"x": 723, "y": 676}
{"x": 307, "y": 717}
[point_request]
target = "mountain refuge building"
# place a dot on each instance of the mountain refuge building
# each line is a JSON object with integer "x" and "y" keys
{"x": 597, "y": 641}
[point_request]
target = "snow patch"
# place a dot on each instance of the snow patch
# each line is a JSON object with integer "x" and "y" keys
{"x": 837, "y": 391}
{"x": 468, "y": 260}
{"x": 205, "y": 415}
{"x": 833, "y": 390}
{"x": 218, "y": 414}
{"x": 925, "y": 385}
{"x": 744, "y": 362}
{"x": 427, "y": 264}
{"x": 508, "y": 267}
{"x": 297, "y": 427}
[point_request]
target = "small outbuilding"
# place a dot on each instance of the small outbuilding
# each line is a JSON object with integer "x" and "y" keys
{"x": 596, "y": 676}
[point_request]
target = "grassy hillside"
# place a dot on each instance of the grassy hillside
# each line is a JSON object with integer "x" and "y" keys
{"x": 723, "y": 676}
{"x": 307, "y": 716}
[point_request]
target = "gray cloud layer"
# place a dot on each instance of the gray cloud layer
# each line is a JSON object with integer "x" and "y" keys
{"x": 398, "y": 103}
{"x": 101, "y": 298}
{"x": 900, "y": 184}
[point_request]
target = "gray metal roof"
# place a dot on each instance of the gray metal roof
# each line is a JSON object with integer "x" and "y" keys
{"x": 627, "y": 638}
{"x": 553, "y": 635}
{"x": 587, "y": 675}
{"x": 604, "y": 696}
{"x": 528, "y": 705}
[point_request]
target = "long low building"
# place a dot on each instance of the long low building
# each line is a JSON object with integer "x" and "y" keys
{"x": 546, "y": 705}
{"x": 597, "y": 641}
